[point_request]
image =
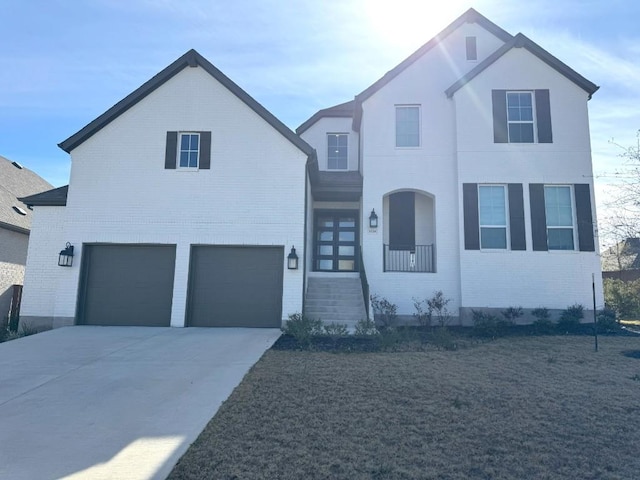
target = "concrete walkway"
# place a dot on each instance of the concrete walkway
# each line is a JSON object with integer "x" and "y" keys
{"x": 115, "y": 402}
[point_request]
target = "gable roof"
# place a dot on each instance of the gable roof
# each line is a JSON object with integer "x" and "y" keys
{"x": 17, "y": 181}
{"x": 189, "y": 59}
{"x": 624, "y": 255}
{"x": 51, "y": 198}
{"x": 341, "y": 110}
{"x": 521, "y": 41}
{"x": 470, "y": 16}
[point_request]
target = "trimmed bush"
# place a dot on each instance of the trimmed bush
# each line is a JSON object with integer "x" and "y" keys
{"x": 336, "y": 330}
{"x": 302, "y": 328}
{"x": 385, "y": 310}
{"x": 542, "y": 323}
{"x": 570, "y": 318}
{"x": 366, "y": 328}
{"x": 511, "y": 314}
{"x": 606, "y": 320}
{"x": 486, "y": 324}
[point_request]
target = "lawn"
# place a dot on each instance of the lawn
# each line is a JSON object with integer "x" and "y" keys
{"x": 513, "y": 408}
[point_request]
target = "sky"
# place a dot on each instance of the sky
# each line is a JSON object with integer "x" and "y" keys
{"x": 64, "y": 62}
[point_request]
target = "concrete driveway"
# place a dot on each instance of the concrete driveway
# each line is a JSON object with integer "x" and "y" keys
{"x": 115, "y": 402}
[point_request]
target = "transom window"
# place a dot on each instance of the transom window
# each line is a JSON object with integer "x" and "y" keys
{"x": 493, "y": 216}
{"x": 407, "y": 126}
{"x": 558, "y": 208}
{"x": 337, "y": 148}
{"x": 520, "y": 117}
{"x": 189, "y": 145}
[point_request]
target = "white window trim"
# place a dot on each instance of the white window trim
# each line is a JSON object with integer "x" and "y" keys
{"x": 506, "y": 225}
{"x": 395, "y": 125}
{"x": 533, "y": 116}
{"x": 187, "y": 169}
{"x": 348, "y": 149}
{"x": 574, "y": 219}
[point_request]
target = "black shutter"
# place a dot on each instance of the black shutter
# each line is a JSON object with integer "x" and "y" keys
{"x": 538, "y": 217}
{"x": 499, "y": 100}
{"x": 543, "y": 116}
{"x": 205, "y": 151}
{"x": 402, "y": 221}
{"x": 516, "y": 217}
{"x": 584, "y": 216}
{"x": 171, "y": 150}
{"x": 471, "y": 220}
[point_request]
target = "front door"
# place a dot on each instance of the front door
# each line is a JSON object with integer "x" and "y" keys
{"x": 336, "y": 247}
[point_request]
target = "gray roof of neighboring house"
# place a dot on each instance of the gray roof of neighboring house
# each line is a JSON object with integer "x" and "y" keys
{"x": 625, "y": 255}
{"x": 341, "y": 110}
{"x": 51, "y": 198}
{"x": 521, "y": 41}
{"x": 189, "y": 59}
{"x": 16, "y": 182}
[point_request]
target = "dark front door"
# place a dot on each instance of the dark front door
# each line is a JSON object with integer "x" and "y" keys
{"x": 336, "y": 247}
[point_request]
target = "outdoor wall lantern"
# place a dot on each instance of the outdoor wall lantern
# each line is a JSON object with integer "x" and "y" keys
{"x": 66, "y": 256}
{"x": 373, "y": 219}
{"x": 292, "y": 259}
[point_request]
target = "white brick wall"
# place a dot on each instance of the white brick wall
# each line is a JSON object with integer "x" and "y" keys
{"x": 120, "y": 192}
{"x": 316, "y": 135}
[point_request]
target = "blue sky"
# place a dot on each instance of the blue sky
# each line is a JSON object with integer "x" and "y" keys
{"x": 64, "y": 62}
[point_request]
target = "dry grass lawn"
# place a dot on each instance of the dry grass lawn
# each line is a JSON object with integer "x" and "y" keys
{"x": 515, "y": 408}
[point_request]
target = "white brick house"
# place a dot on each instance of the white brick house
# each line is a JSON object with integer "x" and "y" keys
{"x": 187, "y": 196}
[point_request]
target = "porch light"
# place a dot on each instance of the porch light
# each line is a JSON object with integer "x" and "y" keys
{"x": 292, "y": 259}
{"x": 373, "y": 219}
{"x": 66, "y": 256}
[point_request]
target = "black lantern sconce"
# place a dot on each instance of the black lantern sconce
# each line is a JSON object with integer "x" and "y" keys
{"x": 373, "y": 219}
{"x": 65, "y": 259}
{"x": 292, "y": 259}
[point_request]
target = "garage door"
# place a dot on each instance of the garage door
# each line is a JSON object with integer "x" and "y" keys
{"x": 127, "y": 285}
{"x": 235, "y": 286}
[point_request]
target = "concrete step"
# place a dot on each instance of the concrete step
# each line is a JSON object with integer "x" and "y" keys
{"x": 336, "y": 300}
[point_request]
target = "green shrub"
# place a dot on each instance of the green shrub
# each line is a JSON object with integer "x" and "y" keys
{"x": 443, "y": 339}
{"x": 365, "y": 328}
{"x": 606, "y": 320}
{"x": 385, "y": 310}
{"x": 336, "y": 330}
{"x": 542, "y": 323}
{"x": 423, "y": 314}
{"x": 570, "y": 318}
{"x": 437, "y": 306}
{"x": 622, "y": 297}
{"x": 486, "y": 324}
{"x": 302, "y": 328}
{"x": 511, "y": 314}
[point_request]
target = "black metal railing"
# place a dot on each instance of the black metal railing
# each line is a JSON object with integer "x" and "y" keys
{"x": 414, "y": 258}
{"x": 364, "y": 283}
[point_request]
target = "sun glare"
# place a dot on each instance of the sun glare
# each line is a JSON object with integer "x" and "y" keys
{"x": 410, "y": 23}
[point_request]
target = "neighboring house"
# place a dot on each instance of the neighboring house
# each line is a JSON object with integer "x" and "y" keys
{"x": 622, "y": 260}
{"x": 15, "y": 224}
{"x": 466, "y": 169}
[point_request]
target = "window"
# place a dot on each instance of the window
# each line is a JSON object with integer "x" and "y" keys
{"x": 558, "y": 211}
{"x": 189, "y": 148}
{"x": 408, "y": 126}
{"x": 337, "y": 151}
{"x": 472, "y": 50}
{"x": 520, "y": 117}
{"x": 493, "y": 216}
{"x": 188, "y": 151}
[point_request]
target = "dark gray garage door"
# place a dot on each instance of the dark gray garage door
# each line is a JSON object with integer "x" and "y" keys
{"x": 235, "y": 286}
{"x": 127, "y": 285}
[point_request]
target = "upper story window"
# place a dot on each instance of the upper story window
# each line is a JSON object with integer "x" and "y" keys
{"x": 407, "y": 126}
{"x": 189, "y": 149}
{"x": 558, "y": 209}
{"x": 521, "y": 116}
{"x": 471, "y": 47}
{"x": 337, "y": 151}
{"x": 493, "y": 216}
